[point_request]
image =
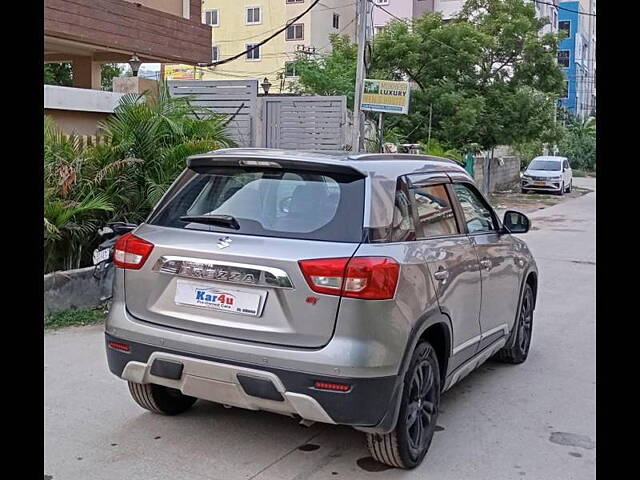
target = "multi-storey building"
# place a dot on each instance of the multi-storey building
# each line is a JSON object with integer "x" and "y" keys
{"x": 88, "y": 34}
{"x": 576, "y": 56}
{"x": 448, "y": 9}
{"x": 237, "y": 25}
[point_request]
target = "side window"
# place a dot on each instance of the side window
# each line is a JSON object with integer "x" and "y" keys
{"x": 566, "y": 164}
{"x": 434, "y": 211}
{"x": 403, "y": 229}
{"x": 477, "y": 215}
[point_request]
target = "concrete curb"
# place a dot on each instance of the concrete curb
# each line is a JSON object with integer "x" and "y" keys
{"x": 74, "y": 289}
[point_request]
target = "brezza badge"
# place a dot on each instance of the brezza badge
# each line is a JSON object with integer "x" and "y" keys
{"x": 216, "y": 272}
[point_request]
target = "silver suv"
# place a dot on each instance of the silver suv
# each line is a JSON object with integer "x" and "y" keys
{"x": 336, "y": 288}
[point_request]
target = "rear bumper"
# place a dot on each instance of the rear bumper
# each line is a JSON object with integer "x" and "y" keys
{"x": 257, "y": 387}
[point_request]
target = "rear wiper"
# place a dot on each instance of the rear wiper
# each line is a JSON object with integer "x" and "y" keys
{"x": 220, "y": 220}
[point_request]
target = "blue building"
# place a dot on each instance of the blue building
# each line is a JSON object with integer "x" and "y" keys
{"x": 576, "y": 56}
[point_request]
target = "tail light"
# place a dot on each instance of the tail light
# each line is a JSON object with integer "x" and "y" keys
{"x": 131, "y": 252}
{"x": 371, "y": 278}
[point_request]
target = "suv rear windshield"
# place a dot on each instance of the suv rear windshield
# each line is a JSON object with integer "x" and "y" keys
{"x": 269, "y": 202}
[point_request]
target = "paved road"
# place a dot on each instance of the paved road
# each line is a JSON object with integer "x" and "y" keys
{"x": 533, "y": 421}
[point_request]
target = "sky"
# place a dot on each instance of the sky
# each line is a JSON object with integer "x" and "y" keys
{"x": 151, "y": 70}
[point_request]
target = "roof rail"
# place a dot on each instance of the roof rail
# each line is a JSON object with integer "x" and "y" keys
{"x": 398, "y": 156}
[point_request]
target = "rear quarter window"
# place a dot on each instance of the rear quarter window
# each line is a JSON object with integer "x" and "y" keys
{"x": 270, "y": 202}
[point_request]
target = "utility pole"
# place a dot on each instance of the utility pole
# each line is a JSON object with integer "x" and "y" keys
{"x": 429, "y": 137}
{"x": 381, "y": 132}
{"x": 361, "y": 39}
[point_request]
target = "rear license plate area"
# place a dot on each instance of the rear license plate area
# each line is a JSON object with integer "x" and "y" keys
{"x": 220, "y": 298}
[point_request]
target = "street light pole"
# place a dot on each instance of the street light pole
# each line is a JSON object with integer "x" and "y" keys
{"x": 361, "y": 38}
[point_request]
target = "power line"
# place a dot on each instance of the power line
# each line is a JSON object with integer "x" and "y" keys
{"x": 564, "y": 8}
{"x": 259, "y": 44}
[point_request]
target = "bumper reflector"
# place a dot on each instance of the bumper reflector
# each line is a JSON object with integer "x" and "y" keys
{"x": 123, "y": 347}
{"x": 336, "y": 387}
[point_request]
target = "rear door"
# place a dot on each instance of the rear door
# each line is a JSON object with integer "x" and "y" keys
{"x": 501, "y": 272}
{"x": 452, "y": 261}
{"x": 246, "y": 283}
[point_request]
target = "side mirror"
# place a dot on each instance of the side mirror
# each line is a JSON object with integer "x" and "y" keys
{"x": 515, "y": 222}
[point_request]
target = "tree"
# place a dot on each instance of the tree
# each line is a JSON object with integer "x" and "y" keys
{"x": 108, "y": 73}
{"x": 329, "y": 74}
{"x": 58, "y": 74}
{"x": 62, "y": 74}
{"x": 488, "y": 75}
{"x": 579, "y": 144}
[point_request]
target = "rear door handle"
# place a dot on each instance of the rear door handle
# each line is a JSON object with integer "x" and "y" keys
{"x": 485, "y": 263}
{"x": 441, "y": 275}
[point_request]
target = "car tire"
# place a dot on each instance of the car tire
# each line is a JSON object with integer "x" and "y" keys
{"x": 570, "y": 185}
{"x": 523, "y": 329}
{"x": 406, "y": 446}
{"x": 160, "y": 399}
{"x": 524, "y": 190}
{"x": 561, "y": 191}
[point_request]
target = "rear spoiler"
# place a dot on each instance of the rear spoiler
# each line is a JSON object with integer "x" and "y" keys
{"x": 204, "y": 163}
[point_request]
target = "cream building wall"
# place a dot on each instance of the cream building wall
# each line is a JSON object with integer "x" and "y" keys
{"x": 232, "y": 34}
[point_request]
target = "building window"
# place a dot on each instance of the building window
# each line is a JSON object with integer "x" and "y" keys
{"x": 253, "y": 53}
{"x": 565, "y": 26}
{"x": 290, "y": 69}
{"x": 336, "y": 20}
{"x": 563, "y": 58}
{"x": 382, "y": 2}
{"x": 211, "y": 17}
{"x": 253, "y": 15}
{"x": 565, "y": 90}
{"x": 295, "y": 1}
{"x": 295, "y": 31}
{"x": 215, "y": 53}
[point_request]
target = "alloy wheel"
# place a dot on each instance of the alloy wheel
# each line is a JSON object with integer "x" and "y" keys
{"x": 422, "y": 407}
{"x": 526, "y": 322}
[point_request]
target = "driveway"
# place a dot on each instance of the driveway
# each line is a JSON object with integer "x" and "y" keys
{"x": 535, "y": 420}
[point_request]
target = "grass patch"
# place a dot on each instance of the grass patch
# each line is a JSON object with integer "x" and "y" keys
{"x": 583, "y": 173}
{"x": 67, "y": 318}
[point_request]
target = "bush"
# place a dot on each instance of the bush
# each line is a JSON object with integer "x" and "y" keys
{"x": 435, "y": 148}
{"x": 579, "y": 144}
{"x": 528, "y": 151}
{"x": 146, "y": 142}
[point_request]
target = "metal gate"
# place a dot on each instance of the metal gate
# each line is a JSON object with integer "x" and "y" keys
{"x": 288, "y": 122}
{"x": 304, "y": 123}
{"x": 237, "y": 98}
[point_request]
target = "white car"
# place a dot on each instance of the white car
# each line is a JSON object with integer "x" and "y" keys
{"x": 551, "y": 174}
